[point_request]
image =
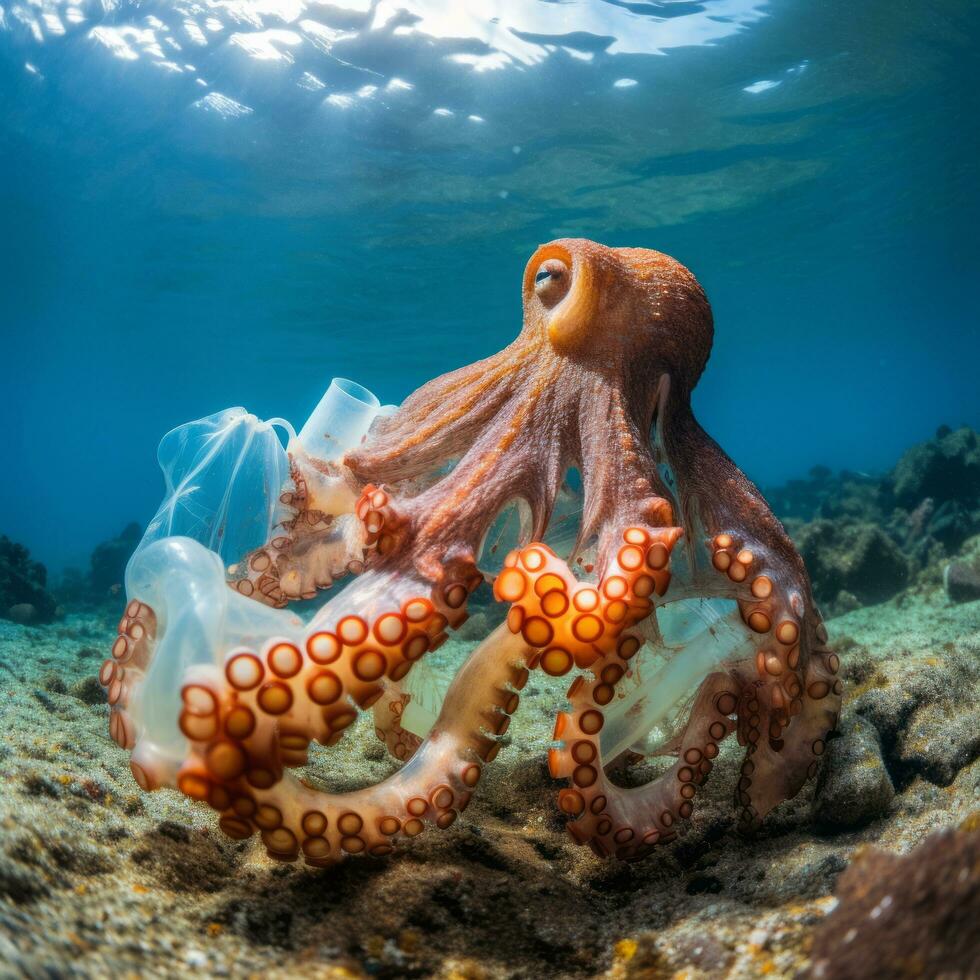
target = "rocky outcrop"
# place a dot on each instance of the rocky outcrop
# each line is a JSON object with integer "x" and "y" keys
{"x": 946, "y": 468}
{"x": 104, "y": 579}
{"x": 901, "y": 916}
{"x": 859, "y": 559}
{"x": 864, "y": 538}
{"x": 24, "y": 597}
{"x": 108, "y": 563}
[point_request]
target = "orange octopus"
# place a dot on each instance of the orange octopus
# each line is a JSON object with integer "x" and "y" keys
{"x": 599, "y": 380}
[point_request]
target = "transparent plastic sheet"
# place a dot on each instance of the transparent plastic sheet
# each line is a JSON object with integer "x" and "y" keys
{"x": 698, "y": 635}
{"x": 224, "y": 477}
{"x": 199, "y": 618}
{"x": 225, "y": 473}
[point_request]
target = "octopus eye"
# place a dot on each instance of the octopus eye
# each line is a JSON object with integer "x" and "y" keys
{"x": 551, "y": 281}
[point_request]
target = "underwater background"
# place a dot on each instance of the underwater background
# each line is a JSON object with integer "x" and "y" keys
{"x": 206, "y": 204}
{"x": 214, "y": 203}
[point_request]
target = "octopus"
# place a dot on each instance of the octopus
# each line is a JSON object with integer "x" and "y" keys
{"x": 219, "y": 689}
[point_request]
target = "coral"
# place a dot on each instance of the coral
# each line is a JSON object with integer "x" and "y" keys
{"x": 904, "y": 916}
{"x": 23, "y": 596}
{"x": 677, "y": 597}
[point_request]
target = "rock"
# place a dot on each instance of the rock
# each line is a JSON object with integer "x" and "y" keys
{"x": 945, "y": 468}
{"x": 939, "y": 741}
{"x": 846, "y": 602}
{"x": 961, "y": 580}
{"x": 859, "y": 559}
{"x": 19, "y": 883}
{"x": 854, "y": 787}
{"x": 22, "y": 613}
{"x": 110, "y": 557}
{"x": 923, "y": 510}
{"x": 906, "y": 687}
{"x": 904, "y": 916}
{"x": 951, "y": 524}
{"x": 23, "y": 585}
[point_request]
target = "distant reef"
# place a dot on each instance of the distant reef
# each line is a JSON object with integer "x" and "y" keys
{"x": 866, "y": 538}
{"x": 24, "y": 597}
{"x": 104, "y": 578}
{"x": 27, "y": 596}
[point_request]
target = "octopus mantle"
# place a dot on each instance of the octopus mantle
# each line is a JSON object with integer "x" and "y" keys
{"x": 219, "y": 690}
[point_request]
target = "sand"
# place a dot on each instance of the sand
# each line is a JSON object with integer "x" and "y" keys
{"x": 100, "y": 879}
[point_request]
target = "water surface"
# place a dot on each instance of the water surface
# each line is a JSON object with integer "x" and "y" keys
{"x": 223, "y": 202}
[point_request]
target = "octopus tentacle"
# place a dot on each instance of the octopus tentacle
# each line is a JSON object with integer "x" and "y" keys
{"x": 750, "y": 558}
{"x": 628, "y": 822}
{"x": 576, "y": 623}
{"x": 130, "y": 656}
{"x": 293, "y": 817}
{"x": 322, "y": 541}
{"x": 572, "y": 622}
{"x": 301, "y": 561}
{"x": 780, "y": 758}
{"x": 651, "y": 811}
{"x": 444, "y": 525}
{"x": 399, "y": 741}
{"x": 439, "y": 421}
{"x": 624, "y": 484}
{"x": 785, "y": 727}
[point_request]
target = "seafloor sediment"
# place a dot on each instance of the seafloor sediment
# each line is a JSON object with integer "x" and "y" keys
{"x": 99, "y": 879}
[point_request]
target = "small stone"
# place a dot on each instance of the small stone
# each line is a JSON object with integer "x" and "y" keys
{"x": 196, "y": 958}
{"x": 22, "y": 613}
{"x": 854, "y": 787}
{"x": 962, "y": 581}
{"x": 89, "y": 690}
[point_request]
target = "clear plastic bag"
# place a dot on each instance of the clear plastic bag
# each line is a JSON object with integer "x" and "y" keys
{"x": 224, "y": 476}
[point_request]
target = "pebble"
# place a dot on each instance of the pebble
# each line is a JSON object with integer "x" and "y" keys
{"x": 961, "y": 580}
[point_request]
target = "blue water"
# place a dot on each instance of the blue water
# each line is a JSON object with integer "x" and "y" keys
{"x": 218, "y": 203}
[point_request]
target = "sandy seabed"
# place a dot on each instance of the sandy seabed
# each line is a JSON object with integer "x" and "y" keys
{"x": 99, "y": 879}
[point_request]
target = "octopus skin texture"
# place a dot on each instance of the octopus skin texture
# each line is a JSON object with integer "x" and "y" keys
{"x": 598, "y": 380}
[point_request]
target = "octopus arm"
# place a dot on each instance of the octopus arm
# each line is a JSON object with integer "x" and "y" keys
{"x": 622, "y": 483}
{"x": 789, "y": 694}
{"x": 252, "y": 686}
{"x": 439, "y": 422}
